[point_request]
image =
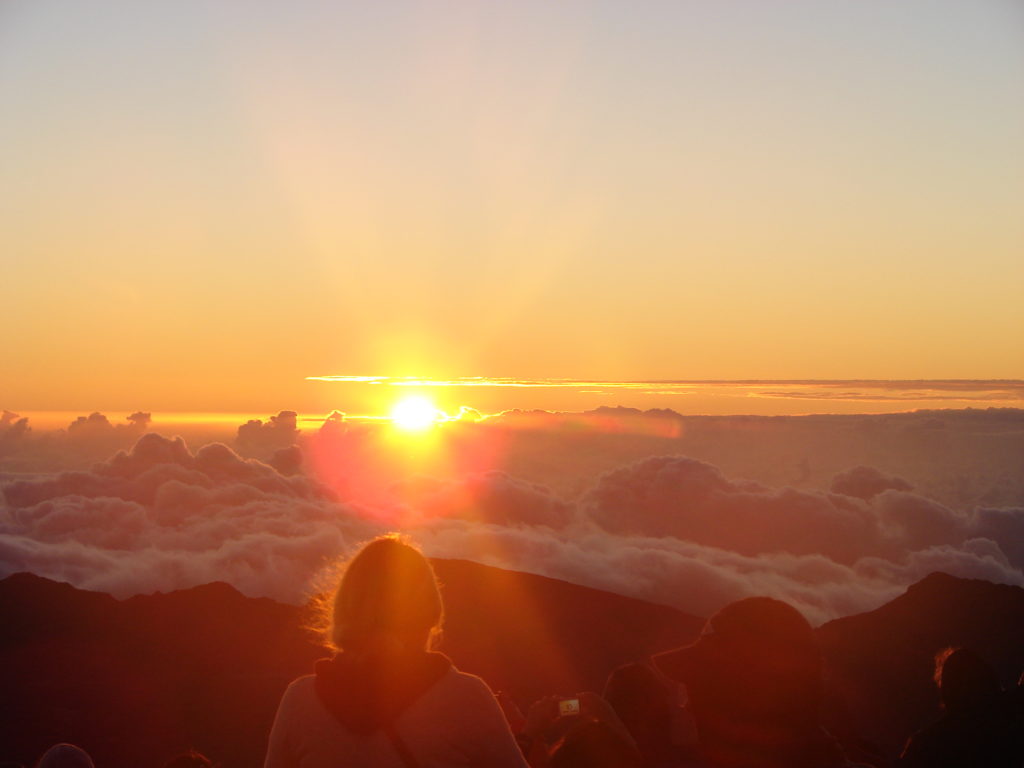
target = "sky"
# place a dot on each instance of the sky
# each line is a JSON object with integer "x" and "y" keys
{"x": 204, "y": 204}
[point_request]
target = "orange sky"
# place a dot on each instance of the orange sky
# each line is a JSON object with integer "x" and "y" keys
{"x": 202, "y": 207}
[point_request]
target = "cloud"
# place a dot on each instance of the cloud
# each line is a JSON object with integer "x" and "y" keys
{"x": 866, "y": 483}
{"x": 161, "y": 518}
{"x": 908, "y": 521}
{"x": 982, "y": 390}
{"x": 701, "y": 579}
{"x": 96, "y": 426}
{"x": 487, "y": 497}
{"x": 691, "y": 500}
{"x": 287, "y": 461}
{"x": 14, "y": 431}
{"x": 85, "y": 440}
{"x": 481, "y": 381}
{"x": 138, "y": 474}
{"x": 669, "y": 529}
{"x": 975, "y": 558}
{"x": 1006, "y": 526}
{"x": 256, "y": 438}
{"x": 897, "y": 396}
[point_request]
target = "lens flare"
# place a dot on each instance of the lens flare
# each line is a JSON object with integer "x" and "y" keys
{"x": 415, "y": 414}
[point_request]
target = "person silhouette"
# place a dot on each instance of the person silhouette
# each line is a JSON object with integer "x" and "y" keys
{"x": 385, "y": 699}
{"x": 981, "y": 724}
{"x": 65, "y": 756}
{"x": 587, "y": 735}
{"x": 645, "y": 703}
{"x": 754, "y": 684}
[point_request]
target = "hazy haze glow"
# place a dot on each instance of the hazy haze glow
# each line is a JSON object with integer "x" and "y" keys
{"x": 205, "y": 203}
{"x": 772, "y": 397}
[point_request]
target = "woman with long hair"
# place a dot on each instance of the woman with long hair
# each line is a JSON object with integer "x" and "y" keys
{"x": 385, "y": 699}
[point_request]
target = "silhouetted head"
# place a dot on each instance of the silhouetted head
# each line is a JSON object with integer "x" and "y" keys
{"x": 965, "y": 679}
{"x": 594, "y": 744}
{"x": 65, "y": 756}
{"x": 387, "y": 600}
{"x": 190, "y": 759}
{"x": 642, "y": 701}
{"x": 754, "y": 678}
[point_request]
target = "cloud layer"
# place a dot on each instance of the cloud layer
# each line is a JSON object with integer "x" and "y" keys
{"x": 670, "y": 529}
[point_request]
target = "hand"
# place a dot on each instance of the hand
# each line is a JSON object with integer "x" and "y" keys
{"x": 542, "y": 714}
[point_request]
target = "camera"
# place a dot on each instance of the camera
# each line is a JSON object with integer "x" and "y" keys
{"x": 568, "y": 707}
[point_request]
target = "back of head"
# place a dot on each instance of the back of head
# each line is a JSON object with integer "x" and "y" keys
{"x": 761, "y": 654}
{"x": 387, "y": 599}
{"x": 754, "y": 679}
{"x": 65, "y": 756}
{"x": 594, "y": 744}
{"x": 965, "y": 679}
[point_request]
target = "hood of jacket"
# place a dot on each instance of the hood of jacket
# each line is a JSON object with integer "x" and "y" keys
{"x": 369, "y": 692}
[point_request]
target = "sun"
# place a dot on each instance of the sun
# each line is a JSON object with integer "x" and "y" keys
{"x": 415, "y": 413}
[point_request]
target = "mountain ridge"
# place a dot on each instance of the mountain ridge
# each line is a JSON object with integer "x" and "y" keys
{"x": 137, "y": 680}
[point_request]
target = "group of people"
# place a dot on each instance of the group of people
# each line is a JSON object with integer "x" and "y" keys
{"x": 746, "y": 694}
{"x": 753, "y": 683}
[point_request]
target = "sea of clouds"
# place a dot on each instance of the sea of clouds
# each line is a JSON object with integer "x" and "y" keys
{"x": 672, "y": 529}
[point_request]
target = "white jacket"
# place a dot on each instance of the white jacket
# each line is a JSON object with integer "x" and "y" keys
{"x": 456, "y": 723}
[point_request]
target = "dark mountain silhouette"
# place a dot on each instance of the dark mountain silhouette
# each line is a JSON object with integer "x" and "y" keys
{"x": 135, "y": 681}
{"x": 531, "y": 635}
{"x": 138, "y": 680}
{"x": 881, "y": 662}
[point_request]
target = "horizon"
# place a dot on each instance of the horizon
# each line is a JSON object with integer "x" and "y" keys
{"x": 371, "y": 398}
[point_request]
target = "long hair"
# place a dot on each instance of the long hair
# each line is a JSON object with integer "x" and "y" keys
{"x": 964, "y": 678}
{"x": 387, "y": 599}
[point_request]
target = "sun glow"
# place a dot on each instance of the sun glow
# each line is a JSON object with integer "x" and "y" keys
{"x": 415, "y": 414}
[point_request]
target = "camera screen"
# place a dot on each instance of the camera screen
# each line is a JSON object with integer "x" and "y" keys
{"x": 569, "y": 707}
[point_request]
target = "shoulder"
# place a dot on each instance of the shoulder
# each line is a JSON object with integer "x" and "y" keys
{"x": 300, "y": 685}
{"x": 299, "y": 692}
{"x": 464, "y": 691}
{"x": 466, "y": 684}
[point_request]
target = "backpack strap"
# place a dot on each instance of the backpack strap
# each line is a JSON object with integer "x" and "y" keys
{"x": 400, "y": 746}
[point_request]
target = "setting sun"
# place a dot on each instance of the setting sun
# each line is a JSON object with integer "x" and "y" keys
{"x": 415, "y": 413}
